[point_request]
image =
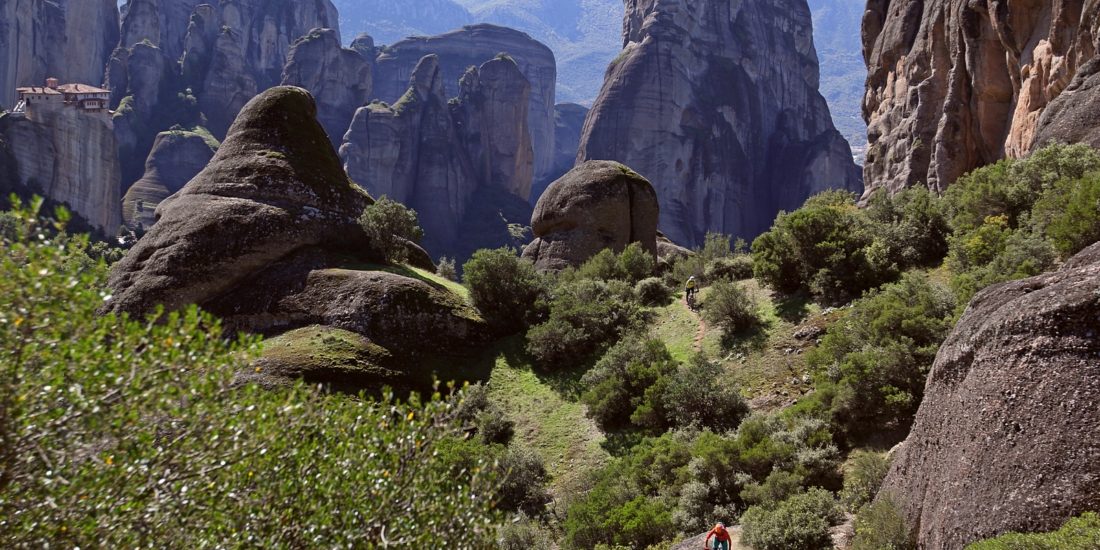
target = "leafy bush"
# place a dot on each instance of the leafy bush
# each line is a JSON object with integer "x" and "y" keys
{"x": 912, "y": 225}
{"x": 777, "y": 487}
{"x": 653, "y": 292}
{"x": 716, "y": 246}
{"x": 636, "y": 263}
{"x": 524, "y": 482}
{"x": 504, "y": 287}
{"x": 682, "y": 269}
{"x": 446, "y": 269}
{"x": 879, "y": 355}
{"x": 525, "y": 534}
{"x": 1080, "y": 533}
{"x": 631, "y": 265}
{"x": 881, "y": 526}
{"x": 122, "y": 432}
{"x": 1069, "y": 214}
{"x": 798, "y": 523}
{"x": 698, "y": 397}
{"x": 730, "y": 307}
{"x": 585, "y": 317}
{"x": 623, "y": 386}
{"x": 866, "y": 470}
{"x": 734, "y": 268}
{"x": 389, "y": 224}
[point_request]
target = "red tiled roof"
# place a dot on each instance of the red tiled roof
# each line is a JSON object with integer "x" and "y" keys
{"x": 36, "y": 90}
{"x": 81, "y": 89}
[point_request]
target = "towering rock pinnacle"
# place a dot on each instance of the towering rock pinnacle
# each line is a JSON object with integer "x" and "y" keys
{"x": 338, "y": 77}
{"x": 716, "y": 103}
{"x": 955, "y": 85}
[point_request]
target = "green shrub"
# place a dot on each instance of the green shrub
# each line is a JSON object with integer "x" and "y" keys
{"x": 631, "y": 265}
{"x": 604, "y": 266}
{"x": 777, "y": 487}
{"x": 879, "y": 355}
{"x": 733, "y": 268}
{"x": 505, "y": 288}
{"x": 798, "y": 523}
{"x": 698, "y": 396}
{"x": 623, "y": 386}
{"x": 866, "y": 471}
{"x": 716, "y": 246}
{"x": 729, "y": 306}
{"x": 682, "y": 269}
{"x": 523, "y": 487}
{"x": 1070, "y": 214}
{"x": 446, "y": 269}
{"x": 912, "y": 226}
{"x": 653, "y": 292}
{"x": 585, "y": 317}
{"x": 388, "y": 224}
{"x": 636, "y": 263}
{"x": 525, "y": 534}
{"x": 123, "y": 433}
{"x": 881, "y": 526}
{"x": 1081, "y": 533}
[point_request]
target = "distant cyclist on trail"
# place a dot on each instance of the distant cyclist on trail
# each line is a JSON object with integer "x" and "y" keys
{"x": 692, "y": 289}
{"x": 721, "y": 538}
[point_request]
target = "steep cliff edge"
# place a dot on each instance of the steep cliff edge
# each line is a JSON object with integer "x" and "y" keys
{"x": 470, "y": 47}
{"x": 956, "y": 85}
{"x": 67, "y": 39}
{"x": 716, "y": 103}
{"x": 1006, "y": 438}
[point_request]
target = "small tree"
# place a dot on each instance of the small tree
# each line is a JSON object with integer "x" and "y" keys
{"x": 729, "y": 306}
{"x": 389, "y": 224}
{"x": 446, "y": 269}
{"x": 504, "y": 287}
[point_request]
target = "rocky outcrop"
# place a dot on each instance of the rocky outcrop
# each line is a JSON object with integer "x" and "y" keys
{"x": 435, "y": 155}
{"x": 71, "y": 157}
{"x": 1006, "y": 438}
{"x": 177, "y": 156}
{"x": 717, "y": 104}
{"x": 955, "y": 85}
{"x": 67, "y": 39}
{"x": 597, "y": 205}
{"x": 267, "y": 237}
{"x": 1074, "y": 116}
{"x": 472, "y": 46}
{"x": 568, "y": 125}
{"x": 339, "y": 78}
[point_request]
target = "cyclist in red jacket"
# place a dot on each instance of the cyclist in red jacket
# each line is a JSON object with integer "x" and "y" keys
{"x": 721, "y": 537}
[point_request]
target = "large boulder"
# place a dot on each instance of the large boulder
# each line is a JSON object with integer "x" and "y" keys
{"x": 1006, "y": 438}
{"x": 597, "y": 205}
{"x": 177, "y": 156}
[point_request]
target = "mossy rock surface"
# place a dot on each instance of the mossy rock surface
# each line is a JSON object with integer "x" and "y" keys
{"x": 338, "y": 359}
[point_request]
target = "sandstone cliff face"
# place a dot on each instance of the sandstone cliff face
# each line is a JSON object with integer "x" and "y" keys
{"x": 472, "y": 46}
{"x": 597, "y": 205}
{"x": 70, "y": 157}
{"x": 717, "y": 104}
{"x": 177, "y": 157}
{"x": 568, "y": 126}
{"x": 441, "y": 158}
{"x": 67, "y": 39}
{"x": 1006, "y": 438}
{"x": 956, "y": 85}
{"x": 267, "y": 238}
{"x": 339, "y": 78}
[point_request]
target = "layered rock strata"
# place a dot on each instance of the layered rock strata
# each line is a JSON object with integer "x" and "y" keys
{"x": 596, "y": 206}
{"x": 1006, "y": 439}
{"x": 955, "y": 85}
{"x": 717, "y": 104}
{"x": 267, "y": 237}
{"x": 472, "y": 46}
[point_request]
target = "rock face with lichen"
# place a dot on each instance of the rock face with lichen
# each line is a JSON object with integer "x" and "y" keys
{"x": 717, "y": 104}
{"x": 340, "y": 78}
{"x": 1006, "y": 439}
{"x": 177, "y": 157}
{"x": 597, "y": 205}
{"x": 471, "y": 47}
{"x": 267, "y": 237}
{"x": 955, "y": 85}
{"x": 436, "y": 155}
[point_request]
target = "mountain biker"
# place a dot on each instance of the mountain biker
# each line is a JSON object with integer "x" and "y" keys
{"x": 692, "y": 288}
{"x": 721, "y": 537}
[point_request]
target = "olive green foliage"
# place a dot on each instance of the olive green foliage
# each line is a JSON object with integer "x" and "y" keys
{"x": 446, "y": 269}
{"x": 653, "y": 292}
{"x": 1017, "y": 218}
{"x": 881, "y": 526}
{"x": 801, "y": 522}
{"x": 389, "y": 224}
{"x": 525, "y": 534}
{"x": 1080, "y": 533}
{"x": 623, "y": 387}
{"x": 734, "y": 268}
{"x": 866, "y": 471}
{"x": 586, "y": 316}
{"x": 699, "y": 396}
{"x": 122, "y": 433}
{"x": 912, "y": 227}
{"x": 695, "y": 477}
{"x": 877, "y": 358}
{"x": 729, "y": 306}
{"x": 631, "y": 265}
{"x": 504, "y": 287}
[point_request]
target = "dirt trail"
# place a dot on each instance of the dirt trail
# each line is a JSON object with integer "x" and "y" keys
{"x": 695, "y": 543}
{"x": 701, "y": 334}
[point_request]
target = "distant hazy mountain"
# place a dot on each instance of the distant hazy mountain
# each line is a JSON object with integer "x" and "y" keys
{"x": 843, "y": 74}
{"x": 584, "y": 34}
